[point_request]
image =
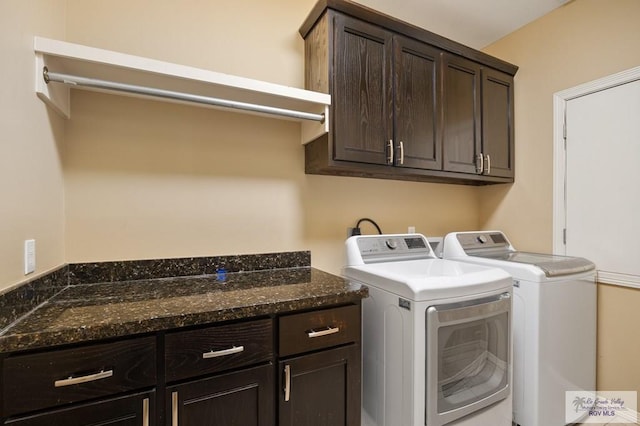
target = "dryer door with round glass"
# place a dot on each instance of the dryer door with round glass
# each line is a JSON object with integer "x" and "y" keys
{"x": 468, "y": 351}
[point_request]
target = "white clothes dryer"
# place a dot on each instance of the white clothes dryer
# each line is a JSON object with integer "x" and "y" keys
{"x": 554, "y": 322}
{"x": 436, "y": 340}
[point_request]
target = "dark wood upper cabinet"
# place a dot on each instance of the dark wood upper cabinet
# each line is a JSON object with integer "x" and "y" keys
{"x": 406, "y": 103}
{"x": 362, "y": 84}
{"x": 497, "y": 123}
{"x": 417, "y": 71}
{"x": 462, "y": 115}
{"x": 478, "y": 119}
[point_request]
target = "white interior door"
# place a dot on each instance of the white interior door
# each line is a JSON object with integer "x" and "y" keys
{"x": 602, "y": 181}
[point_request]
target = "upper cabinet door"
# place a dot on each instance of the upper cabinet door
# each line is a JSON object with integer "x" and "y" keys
{"x": 497, "y": 123}
{"x": 361, "y": 92}
{"x": 461, "y": 115}
{"x": 417, "y": 104}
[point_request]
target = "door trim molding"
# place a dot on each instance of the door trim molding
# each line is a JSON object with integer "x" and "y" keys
{"x": 560, "y": 100}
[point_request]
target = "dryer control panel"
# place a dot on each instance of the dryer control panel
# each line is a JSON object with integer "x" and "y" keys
{"x": 387, "y": 248}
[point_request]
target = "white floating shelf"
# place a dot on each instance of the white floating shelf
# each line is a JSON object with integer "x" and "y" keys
{"x": 71, "y": 59}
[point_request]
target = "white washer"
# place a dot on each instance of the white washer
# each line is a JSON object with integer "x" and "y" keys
{"x": 554, "y": 322}
{"x": 436, "y": 340}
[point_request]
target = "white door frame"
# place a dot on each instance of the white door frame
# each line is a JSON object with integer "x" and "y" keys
{"x": 560, "y": 100}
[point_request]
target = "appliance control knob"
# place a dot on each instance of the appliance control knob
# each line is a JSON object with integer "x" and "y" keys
{"x": 392, "y": 244}
{"x": 482, "y": 239}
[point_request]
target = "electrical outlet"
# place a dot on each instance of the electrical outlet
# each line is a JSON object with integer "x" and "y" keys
{"x": 29, "y": 256}
{"x": 411, "y": 230}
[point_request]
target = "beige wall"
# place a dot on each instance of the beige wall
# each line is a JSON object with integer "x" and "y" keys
{"x": 579, "y": 42}
{"x": 618, "y": 343}
{"x": 31, "y": 183}
{"x": 147, "y": 179}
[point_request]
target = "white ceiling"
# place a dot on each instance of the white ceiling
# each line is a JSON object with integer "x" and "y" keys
{"x": 475, "y": 23}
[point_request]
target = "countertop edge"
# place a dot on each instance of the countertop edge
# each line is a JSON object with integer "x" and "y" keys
{"x": 350, "y": 292}
{"x": 23, "y": 342}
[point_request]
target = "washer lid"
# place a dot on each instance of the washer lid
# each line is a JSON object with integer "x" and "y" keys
{"x": 430, "y": 279}
{"x": 552, "y": 265}
{"x": 495, "y": 246}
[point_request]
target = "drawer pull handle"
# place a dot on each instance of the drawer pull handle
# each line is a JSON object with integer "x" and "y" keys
{"x": 174, "y": 408}
{"x": 223, "y": 352}
{"x": 83, "y": 379}
{"x": 325, "y": 332}
{"x": 287, "y": 383}
{"x": 145, "y": 412}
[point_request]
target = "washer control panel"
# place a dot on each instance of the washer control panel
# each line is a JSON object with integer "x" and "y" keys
{"x": 379, "y": 248}
{"x": 482, "y": 240}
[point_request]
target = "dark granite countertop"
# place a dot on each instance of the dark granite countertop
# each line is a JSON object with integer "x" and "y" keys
{"x": 83, "y": 312}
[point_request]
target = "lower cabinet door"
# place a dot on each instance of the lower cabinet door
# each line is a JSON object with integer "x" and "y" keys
{"x": 243, "y": 398}
{"x": 132, "y": 410}
{"x": 321, "y": 389}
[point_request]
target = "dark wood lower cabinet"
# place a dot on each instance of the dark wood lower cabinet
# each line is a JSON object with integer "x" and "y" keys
{"x": 133, "y": 410}
{"x": 220, "y": 374}
{"x": 321, "y": 389}
{"x": 45, "y": 380}
{"x": 243, "y": 398}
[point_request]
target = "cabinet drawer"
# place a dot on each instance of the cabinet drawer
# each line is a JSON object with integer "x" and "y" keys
{"x": 35, "y": 381}
{"x": 130, "y": 410}
{"x": 319, "y": 329}
{"x": 213, "y": 349}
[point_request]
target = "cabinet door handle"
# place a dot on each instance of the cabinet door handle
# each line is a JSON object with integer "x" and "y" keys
{"x": 287, "y": 382}
{"x": 83, "y": 379}
{"x": 401, "y": 153}
{"x": 390, "y": 149}
{"x": 488, "y": 171}
{"x": 325, "y": 332}
{"x": 174, "y": 409}
{"x": 145, "y": 412}
{"x": 479, "y": 163}
{"x": 223, "y": 352}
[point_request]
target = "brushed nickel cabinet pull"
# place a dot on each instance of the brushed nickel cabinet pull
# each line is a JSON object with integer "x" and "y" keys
{"x": 145, "y": 412}
{"x": 83, "y": 379}
{"x": 488, "y": 164}
{"x": 174, "y": 409}
{"x": 401, "y": 153}
{"x": 325, "y": 332}
{"x": 479, "y": 163}
{"x": 287, "y": 382}
{"x": 390, "y": 149}
{"x": 223, "y": 352}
